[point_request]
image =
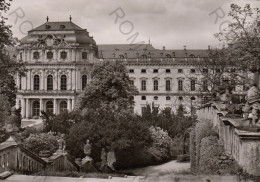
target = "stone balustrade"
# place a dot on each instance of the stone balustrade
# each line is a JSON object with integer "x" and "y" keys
{"x": 240, "y": 140}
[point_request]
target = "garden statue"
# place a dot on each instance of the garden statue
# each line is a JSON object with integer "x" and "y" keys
{"x": 12, "y": 122}
{"x": 104, "y": 163}
{"x": 62, "y": 143}
{"x": 87, "y": 150}
{"x": 253, "y": 99}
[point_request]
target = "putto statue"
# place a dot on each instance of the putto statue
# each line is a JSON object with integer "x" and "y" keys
{"x": 62, "y": 142}
{"x": 253, "y": 100}
{"x": 87, "y": 148}
{"x": 13, "y": 122}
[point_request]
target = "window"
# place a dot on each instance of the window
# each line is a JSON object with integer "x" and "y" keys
{"x": 63, "y": 82}
{"x": 49, "y": 106}
{"x": 192, "y": 98}
{"x": 63, "y": 55}
{"x": 131, "y": 82}
{"x": 192, "y": 70}
{"x": 21, "y": 56}
{"x": 49, "y": 82}
{"x": 143, "y": 110}
{"x": 205, "y": 70}
{"x": 192, "y": 85}
{"x": 180, "y": 70}
{"x": 144, "y": 56}
{"x": 168, "y": 85}
{"x": 155, "y": 85}
{"x": 36, "y": 82}
{"x": 62, "y": 26}
{"x": 36, "y": 108}
{"x": 84, "y": 55}
{"x": 218, "y": 70}
{"x": 180, "y": 85}
{"x": 131, "y": 71}
{"x": 168, "y": 98}
{"x": 49, "y": 55}
{"x": 155, "y": 70}
{"x": 180, "y": 98}
{"x": 20, "y": 82}
{"x": 63, "y": 106}
{"x": 36, "y": 55}
{"x": 121, "y": 56}
{"x": 143, "y": 70}
{"x": 143, "y": 85}
{"x": 143, "y": 98}
{"x": 205, "y": 85}
{"x": 84, "y": 81}
{"x": 155, "y": 98}
{"x": 168, "y": 56}
{"x": 233, "y": 84}
{"x": 168, "y": 71}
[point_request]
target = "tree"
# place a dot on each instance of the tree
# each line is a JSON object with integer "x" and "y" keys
{"x": 241, "y": 38}
{"x": 109, "y": 90}
{"x": 108, "y": 120}
{"x": 8, "y": 67}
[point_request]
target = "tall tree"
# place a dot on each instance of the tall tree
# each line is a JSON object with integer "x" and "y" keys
{"x": 8, "y": 67}
{"x": 241, "y": 38}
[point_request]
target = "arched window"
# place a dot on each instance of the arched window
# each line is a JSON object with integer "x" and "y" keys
{"x": 168, "y": 56}
{"x": 36, "y": 55}
{"x": 49, "y": 106}
{"x": 168, "y": 85}
{"x": 63, "y": 82}
{"x": 155, "y": 85}
{"x": 49, "y": 82}
{"x": 36, "y": 108}
{"x": 84, "y": 55}
{"x": 36, "y": 82}
{"x": 84, "y": 81}
{"x": 205, "y": 85}
{"x": 155, "y": 97}
{"x": 168, "y": 98}
{"x": 180, "y": 85}
{"x": 49, "y": 55}
{"x": 63, "y": 106}
{"x": 63, "y": 55}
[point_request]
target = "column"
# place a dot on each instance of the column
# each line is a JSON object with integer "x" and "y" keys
{"x": 72, "y": 103}
{"x": 55, "y": 106}
{"x": 17, "y": 103}
{"x": 69, "y": 105}
{"x": 57, "y": 76}
{"x": 41, "y": 105}
{"x": 43, "y": 79}
{"x": 29, "y": 80}
{"x": 76, "y": 79}
{"x": 23, "y": 108}
{"x": 73, "y": 79}
{"x": 27, "y": 108}
{"x": 70, "y": 88}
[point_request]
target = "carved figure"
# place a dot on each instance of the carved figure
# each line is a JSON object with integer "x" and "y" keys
{"x": 62, "y": 142}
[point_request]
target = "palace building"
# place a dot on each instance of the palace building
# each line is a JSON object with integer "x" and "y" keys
{"x": 59, "y": 57}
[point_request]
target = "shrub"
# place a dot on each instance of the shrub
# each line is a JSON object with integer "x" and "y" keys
{"x": 42, "y": 141}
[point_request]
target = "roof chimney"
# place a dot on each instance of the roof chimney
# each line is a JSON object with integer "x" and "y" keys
{"x": 47, "y": 19}
{"x": 208, "y": 47}
{"x": 70, "y": 18}
{"x": 163, "y": 47}
{"x": 184, "y": 47}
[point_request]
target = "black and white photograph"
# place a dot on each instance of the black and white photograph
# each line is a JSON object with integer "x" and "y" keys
{"x": 130, "y": 91}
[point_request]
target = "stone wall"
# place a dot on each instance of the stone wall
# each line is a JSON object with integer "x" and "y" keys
{"x": 243, "y": 145}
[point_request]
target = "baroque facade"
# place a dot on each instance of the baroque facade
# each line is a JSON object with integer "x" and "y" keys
{"x": 59, "y": 57}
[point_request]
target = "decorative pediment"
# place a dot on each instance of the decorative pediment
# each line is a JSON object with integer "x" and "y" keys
{"x": 51, "y": 41}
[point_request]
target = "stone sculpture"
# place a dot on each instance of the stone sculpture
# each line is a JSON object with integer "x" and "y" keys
{"x": 12, "y": 122}
{"x": 253, "y": 99}
{"x": 62, "y": 143}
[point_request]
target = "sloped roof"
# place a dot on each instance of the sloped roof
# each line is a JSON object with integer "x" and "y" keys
{"x": 124, "y": 47}
{"x": 54, "y": 26}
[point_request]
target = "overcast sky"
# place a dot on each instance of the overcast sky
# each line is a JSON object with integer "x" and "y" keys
{"x": 169, "y": 23}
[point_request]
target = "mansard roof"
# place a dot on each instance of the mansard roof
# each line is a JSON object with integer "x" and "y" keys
{"x": 54, "y": 26}
{"x": 139, "y": 50}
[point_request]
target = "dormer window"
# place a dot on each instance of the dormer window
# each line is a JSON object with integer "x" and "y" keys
{"x": 117, "y": 49}
{"x": 84, "y": 55}
{"x": 168, "y": 55}
{"x": 47, "y": 27}
{"x": 63, "y": 54}
{"x": 144, "y": 56}
{"x": 36, "y": 55}
{"x": 62, "y": 26}
{"x": 121, "y": 56}
{"x": 49, "y": 55}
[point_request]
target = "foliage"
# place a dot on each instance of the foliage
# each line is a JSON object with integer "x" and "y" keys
{"x": 8, "y": 67}
{"x": 109, "y": 90}
{"x": 60, "y": 123}
{"x": 41, "y": 141}
{"x": 4, "y": 109}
